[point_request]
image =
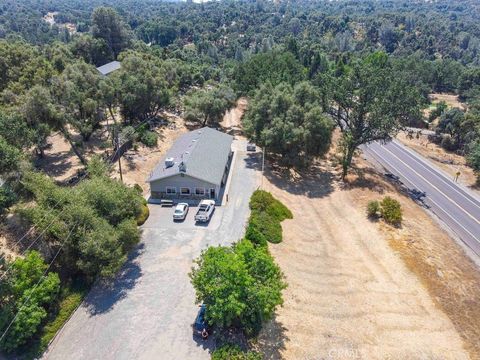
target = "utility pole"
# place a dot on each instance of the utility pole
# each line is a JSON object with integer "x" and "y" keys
{"x": 117, "y": 148}
{"x": 120, "y": 168}
{"x": 263, "y": 164}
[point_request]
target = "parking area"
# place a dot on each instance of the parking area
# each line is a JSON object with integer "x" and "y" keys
{"x": 148, "y": 310}
{"x": 162, "y": 217}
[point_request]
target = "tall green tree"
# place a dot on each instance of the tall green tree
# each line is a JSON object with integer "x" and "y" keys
{"x": 241, "y": 285}
{"x": 289, "y": 121}
{"x": 109, "y": 26}
{"x": 275, "y": 66}
{"x": 208, "y": 106}
{"x": 143, "y": 89}
{"x": 79, "y": 94}
{"x": 27, "y": 292}
{"x": 370, "y": 102}
{"x": 44, "y": 112}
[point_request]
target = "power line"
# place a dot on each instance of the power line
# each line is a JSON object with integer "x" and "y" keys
{"x": 48, "y": 226}
{"x": 29, "y": 246}
{"x": 36, "y": 285}
{"x": 32, "y": 228}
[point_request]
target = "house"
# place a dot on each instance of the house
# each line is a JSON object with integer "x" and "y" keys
{"x": 109, "y": 68}
{"x": 196, "y": 167}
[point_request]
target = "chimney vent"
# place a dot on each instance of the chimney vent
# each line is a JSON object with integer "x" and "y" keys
{"x": 182, "y": 167}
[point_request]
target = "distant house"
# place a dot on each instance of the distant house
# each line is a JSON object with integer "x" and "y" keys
{"x": 109, "y": 68}
{"x": 196, "y": 167}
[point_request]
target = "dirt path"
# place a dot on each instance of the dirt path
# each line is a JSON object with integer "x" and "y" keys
{"x": 350, "y": 296}
{"x": 231, "y": 122}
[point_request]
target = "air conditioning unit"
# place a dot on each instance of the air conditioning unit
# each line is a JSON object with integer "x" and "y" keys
{"x": 169, "y": 162}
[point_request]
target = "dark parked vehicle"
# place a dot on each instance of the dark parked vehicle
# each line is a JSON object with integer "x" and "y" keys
{"x": 201, "y": 327}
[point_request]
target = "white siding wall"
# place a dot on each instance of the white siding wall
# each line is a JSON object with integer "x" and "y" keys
{"x": 178, "y": 181}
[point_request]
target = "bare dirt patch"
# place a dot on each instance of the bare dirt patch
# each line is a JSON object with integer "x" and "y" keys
{"x": 61, "y": 163}
{"x": 447, "y": 161}
{"x": 450, "y": 99}
{"x": 231, "y": 122}
{"x": 361, "y": 289}
{"x": 139, "y": 162}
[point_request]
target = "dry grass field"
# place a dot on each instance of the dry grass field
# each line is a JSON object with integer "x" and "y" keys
{"x": 364, "y": 290}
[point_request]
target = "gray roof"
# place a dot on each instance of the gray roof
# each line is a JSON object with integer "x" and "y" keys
{"x": 110, "y": 67}
{"x": 204, "y": 154}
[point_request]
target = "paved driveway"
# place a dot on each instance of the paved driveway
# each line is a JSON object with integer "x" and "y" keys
{"x": 148, "y": 312}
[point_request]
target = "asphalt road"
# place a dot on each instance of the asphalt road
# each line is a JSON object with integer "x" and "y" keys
{"x": 148, "y": 310}
{"x": 455, "y": 205}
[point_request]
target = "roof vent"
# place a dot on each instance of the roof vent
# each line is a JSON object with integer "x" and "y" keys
{"x": 169, "y": 162}
{"x": 182, "y": 167}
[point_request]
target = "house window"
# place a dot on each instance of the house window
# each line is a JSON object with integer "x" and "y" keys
{"x": 171, "y": 190}
{"x": 184, "y": 191}
{"x": 200, "y": 191}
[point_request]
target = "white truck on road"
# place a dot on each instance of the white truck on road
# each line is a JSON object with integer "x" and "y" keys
{"x": 205, "y": 211}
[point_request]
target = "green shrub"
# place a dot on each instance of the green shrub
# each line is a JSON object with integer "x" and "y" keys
{"x": 7, "y": 198}
{"x": 26, "y": 273}
{"x": 261, "y": 200}
{"x": 149, "y": 138}
{"x": 263, "y": 227}
{"x": 128, "y": 234}
{"x": 448, "y": 143}
{"x": 233, "y": 352}
{"x": 138, "y": 189}
{"x": 143, "y": 216}
{"x": 66, "y": 308}
{"x": 373, "y": 209}
{"x": 391, "y": 211}
{"x": 473, "y": 156}
{"x": 264, "y": 201}
{"x": 254, "y": 234}
{"x": 264, "y": 223}
{"x": 279, "y": 211}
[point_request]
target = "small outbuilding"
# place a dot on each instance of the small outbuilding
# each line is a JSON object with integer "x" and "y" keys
{"x": 109, "y": 68}
{"x": 195, "y": 168}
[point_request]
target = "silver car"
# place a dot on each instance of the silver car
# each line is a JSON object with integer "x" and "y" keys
{"x": 180, "y": 212}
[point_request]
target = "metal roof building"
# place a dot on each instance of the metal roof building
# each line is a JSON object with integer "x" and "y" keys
{"x": 109, "y": 68}
{"x": 195, "y": 167}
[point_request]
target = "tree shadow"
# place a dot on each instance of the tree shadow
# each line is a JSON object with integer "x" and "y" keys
{"x": 56, "y": 164}
{"x": 272, "y": 339}
{"x": 314, "y": 182}
{"x": 364, "y": 178}
{"x": 233, "y": 131}
{"x": 209, "y": 344}
{"x": 105, "y": 295}
{"x": 253, "y": 160}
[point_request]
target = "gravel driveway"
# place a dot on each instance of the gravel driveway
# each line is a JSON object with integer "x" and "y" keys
{"x": 148, "y": 311}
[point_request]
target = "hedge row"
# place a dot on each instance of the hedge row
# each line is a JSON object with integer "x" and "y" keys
{"x": 71, "y": 299}
{"x": 267, "y": 214}
{"x": 233, "y": 352}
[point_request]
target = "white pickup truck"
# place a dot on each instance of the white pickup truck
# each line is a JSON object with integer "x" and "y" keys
{"x": 205, "y": 211}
